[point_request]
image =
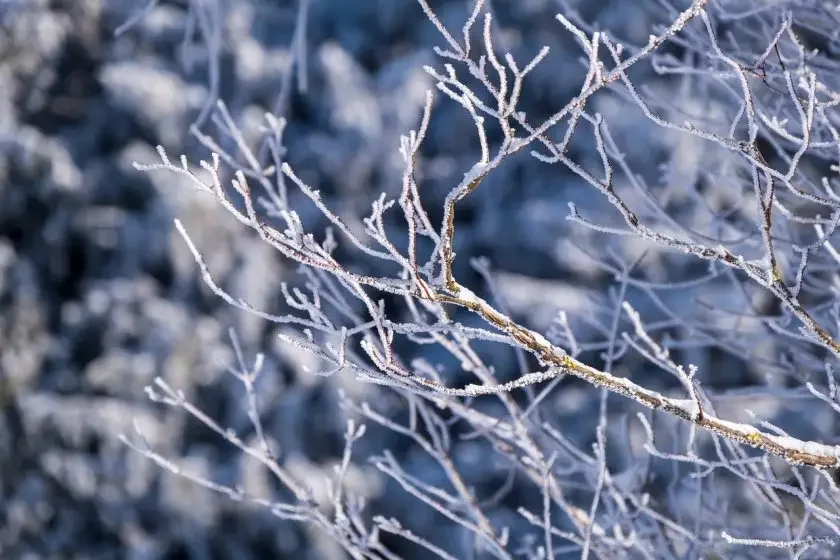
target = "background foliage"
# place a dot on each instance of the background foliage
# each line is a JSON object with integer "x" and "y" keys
{"x": 727, "y": 255}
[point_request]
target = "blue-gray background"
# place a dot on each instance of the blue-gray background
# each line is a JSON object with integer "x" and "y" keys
{"x": 98, "y": 294}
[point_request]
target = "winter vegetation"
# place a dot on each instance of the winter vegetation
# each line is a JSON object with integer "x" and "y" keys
{"x": 459, "y": 279}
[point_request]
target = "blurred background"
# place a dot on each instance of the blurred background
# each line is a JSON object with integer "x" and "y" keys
{"x": 99, "y": 294}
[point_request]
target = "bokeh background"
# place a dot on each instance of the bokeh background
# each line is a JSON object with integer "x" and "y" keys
{"x": 99, "y": 294}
